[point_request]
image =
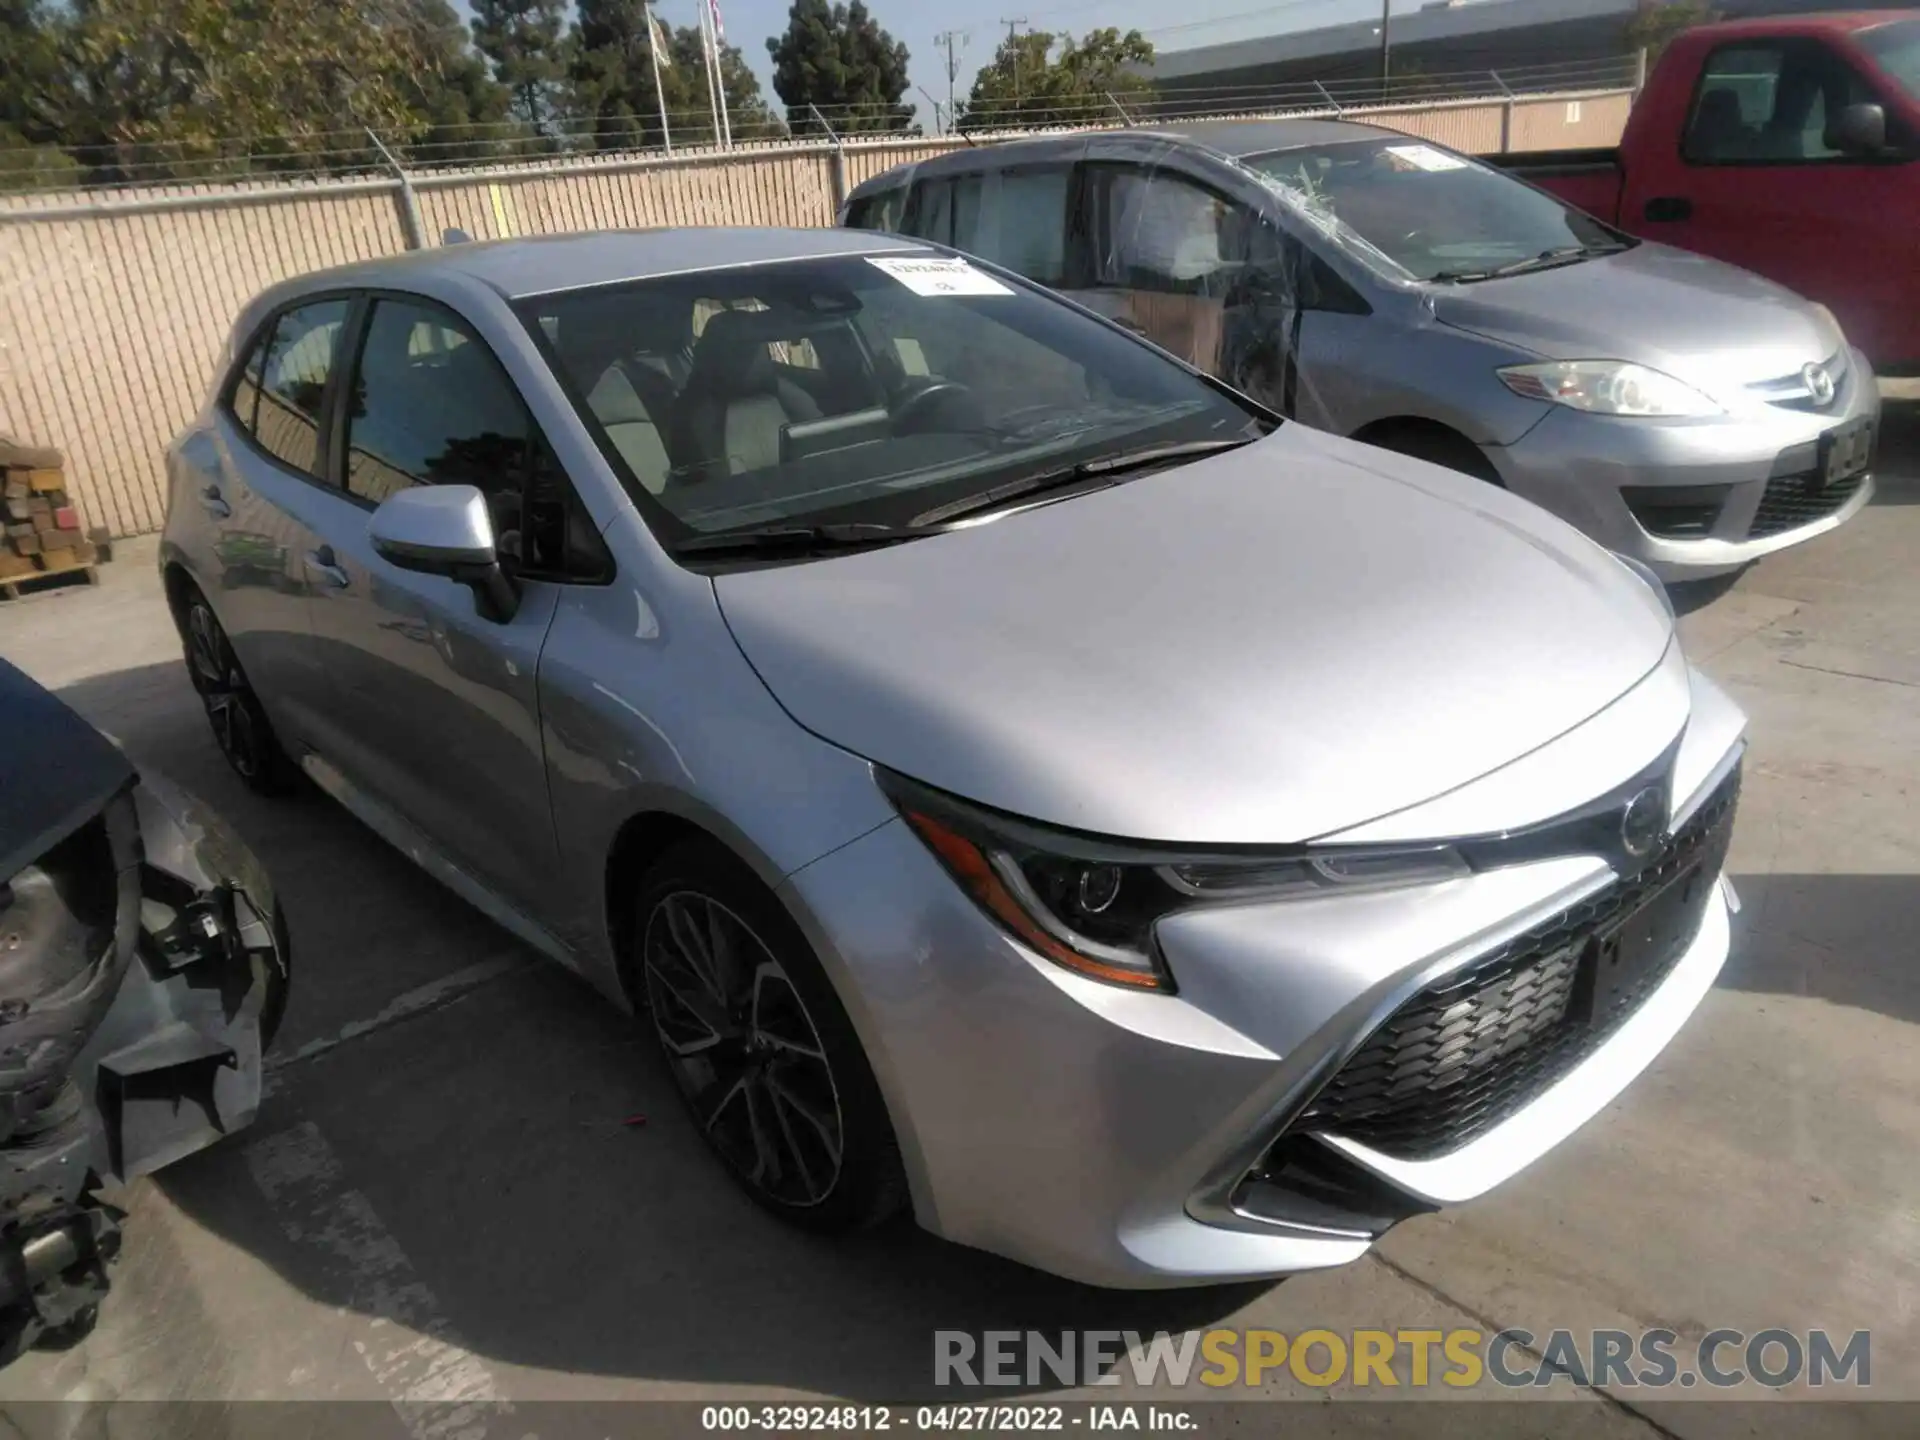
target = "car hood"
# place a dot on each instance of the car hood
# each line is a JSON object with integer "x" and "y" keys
{"x": 1264, "y": 646}
{"x": 56, "y": 771}
{"x": 1716, "y": 326}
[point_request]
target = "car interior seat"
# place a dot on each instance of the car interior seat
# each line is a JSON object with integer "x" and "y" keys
{"x": 735, "y": 402}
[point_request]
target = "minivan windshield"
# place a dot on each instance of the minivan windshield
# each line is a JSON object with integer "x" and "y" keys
{"x": 1432, "y": 214}
{"x": 873, "y": 390}
{"x": 1895, "y": 48}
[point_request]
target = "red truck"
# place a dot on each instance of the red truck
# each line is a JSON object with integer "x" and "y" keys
{"x": 1787, "y": 146}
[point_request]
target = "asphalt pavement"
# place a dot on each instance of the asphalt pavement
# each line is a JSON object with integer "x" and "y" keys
{"x": 471, "y": 1189}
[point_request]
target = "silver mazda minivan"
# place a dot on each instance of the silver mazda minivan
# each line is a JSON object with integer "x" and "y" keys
{"x": 1679, "y": 410}
{"x": 1013, "y": 776}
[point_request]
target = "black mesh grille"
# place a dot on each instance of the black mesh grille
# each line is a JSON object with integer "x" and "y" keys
{"x": 1791, "y": 501}
{"x": 1477, "y": 1045}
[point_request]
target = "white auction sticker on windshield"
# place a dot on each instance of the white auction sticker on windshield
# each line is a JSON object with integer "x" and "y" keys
{"x": 1425, "y": 157}
{"x": 940, "y": 276}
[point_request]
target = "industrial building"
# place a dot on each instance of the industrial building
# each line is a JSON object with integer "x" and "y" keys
{"x": 1440, "y": 39}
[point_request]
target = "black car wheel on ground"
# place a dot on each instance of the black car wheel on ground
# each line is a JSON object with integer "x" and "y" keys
{"x": 240, "y": 725}
{"x": 758, "y": 1044}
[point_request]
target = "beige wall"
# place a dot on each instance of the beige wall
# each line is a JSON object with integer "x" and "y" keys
{"x": 114, "y": 312}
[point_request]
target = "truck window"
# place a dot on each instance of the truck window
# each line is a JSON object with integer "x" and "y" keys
{"x": 1766, "y": 103}
{"x": 1895, "y": 47}
{"x": 878, "y": 211}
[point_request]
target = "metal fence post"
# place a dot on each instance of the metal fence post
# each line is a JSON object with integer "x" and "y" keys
{"x": 837, "y": 165}
{"x": 1506, "y": 113}
{"x": 1327, "y": 95}
{"x": 410, "y": 223}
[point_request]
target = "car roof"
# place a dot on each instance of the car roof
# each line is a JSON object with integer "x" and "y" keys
{"x": 1232, "y": 138}
{"x": 1257, "y": 137}
{"x": 543, "y": 264}
{"x": 1818, "y": 22}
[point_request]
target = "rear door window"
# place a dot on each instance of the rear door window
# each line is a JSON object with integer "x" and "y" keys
{"x": 1027, "y": 230}
{"x": 948, "y": 210}
{"x": 279, "y": 393}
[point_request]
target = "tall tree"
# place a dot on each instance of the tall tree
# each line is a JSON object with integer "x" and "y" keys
{"x": 1045, "y": 79}
{"x": 611, "y": 72}
{"x": 464, "y": 110}
{"x": 1656, "y": 22}
{"x": 524, "y": 40}
{"x": 29, "y": 63}
{"x": 205, "y": 87}
{"x": 836, "y": 58}
{"x": 29, "y": 71}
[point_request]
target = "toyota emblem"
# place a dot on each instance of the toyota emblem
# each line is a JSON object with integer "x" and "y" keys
{"x": 1819, "y": 384}
{"x": 1642, "y": 822}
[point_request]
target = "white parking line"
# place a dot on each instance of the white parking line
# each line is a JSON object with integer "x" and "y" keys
{"x": 438, "y": 1390}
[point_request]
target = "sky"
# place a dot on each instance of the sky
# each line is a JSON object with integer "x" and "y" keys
{"x": 981, "y": 24}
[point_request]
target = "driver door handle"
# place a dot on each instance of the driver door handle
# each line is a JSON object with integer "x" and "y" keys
{"x": 215, "y": 505}
{"x": 323, "y": 564}
{"x": 1669, "y": 207}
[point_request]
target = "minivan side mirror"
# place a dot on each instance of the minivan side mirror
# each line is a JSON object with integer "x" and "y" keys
{"x": 445, "y": 530}
{"x": 1858, "y": 130}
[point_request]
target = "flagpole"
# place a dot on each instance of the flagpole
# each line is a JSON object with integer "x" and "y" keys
{"x": 659, "y": 90}
{"x": 713, "y": 70}
{"x": 719, "y": 39}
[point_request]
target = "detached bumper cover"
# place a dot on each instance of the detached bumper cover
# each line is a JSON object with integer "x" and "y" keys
{"x": 144, "y": 959}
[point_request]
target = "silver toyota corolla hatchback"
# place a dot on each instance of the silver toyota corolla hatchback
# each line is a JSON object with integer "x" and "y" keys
{"x": 1013, "y": 775}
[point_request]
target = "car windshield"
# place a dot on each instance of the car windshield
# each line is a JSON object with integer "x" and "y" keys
{"x": 858, "y": 389}
{"x": 1895, "y": 48}
{"x": 1431, "y": 214}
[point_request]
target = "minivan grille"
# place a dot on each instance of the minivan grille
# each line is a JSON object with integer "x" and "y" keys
{"x": 1476, "y": 1046}
{"x": 1791, "y": 501}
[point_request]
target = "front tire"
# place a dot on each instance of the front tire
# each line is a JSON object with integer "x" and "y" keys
{"x": 758, "y": 1044}
{"x": 240, "y": 725}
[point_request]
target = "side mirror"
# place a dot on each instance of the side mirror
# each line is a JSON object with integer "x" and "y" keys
{"x": 445, "y": 530}
{"x": 1858, "y": 130}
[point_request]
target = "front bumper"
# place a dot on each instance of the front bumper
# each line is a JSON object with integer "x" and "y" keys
{"x": 1694, "y": 498}
{"x": 1104, "y": 1134}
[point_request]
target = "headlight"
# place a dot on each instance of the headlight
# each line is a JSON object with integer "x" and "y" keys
{"x": 1606, "y": 387}
{"x": 1652, "y": 581}
{"x": 1091, "y": 905}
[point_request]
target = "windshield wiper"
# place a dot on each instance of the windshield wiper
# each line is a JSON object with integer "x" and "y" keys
{"x": 1545, "y": 260}
{"x": 1099, "y": 467}
{"x": 794, "y": 539}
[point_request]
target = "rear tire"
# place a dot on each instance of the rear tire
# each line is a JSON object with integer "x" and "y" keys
{"x": 240, "y": 725}
{"x": 758, "y": 1044}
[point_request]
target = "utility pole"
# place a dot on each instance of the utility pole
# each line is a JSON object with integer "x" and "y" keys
{"x": 947, "y": 41}
{"x": 1386, "y": 44}
{"x": 1013, "y": 33}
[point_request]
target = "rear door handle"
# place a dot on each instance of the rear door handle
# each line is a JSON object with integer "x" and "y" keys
{"x": 1669, "y": 207}
{"x": 215, "y": 505}
{"x": 323, "y": 564}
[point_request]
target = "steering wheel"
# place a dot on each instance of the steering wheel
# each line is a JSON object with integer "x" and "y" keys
{"x": 921, "y": 403}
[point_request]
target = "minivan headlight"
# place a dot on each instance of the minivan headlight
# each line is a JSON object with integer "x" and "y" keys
{"x": 1607, "y": 387}
{"x": 1090, "y": 905}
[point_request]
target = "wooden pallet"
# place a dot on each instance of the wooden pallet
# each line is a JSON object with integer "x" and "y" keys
{"x": 48, "y": 580}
